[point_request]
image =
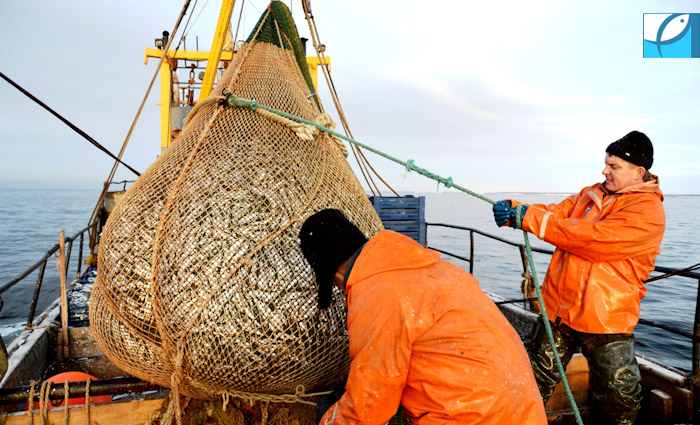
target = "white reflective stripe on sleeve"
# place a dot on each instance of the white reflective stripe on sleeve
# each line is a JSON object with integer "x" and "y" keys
{"x": 543, "y": 226}
{"x": 335, "y": 412}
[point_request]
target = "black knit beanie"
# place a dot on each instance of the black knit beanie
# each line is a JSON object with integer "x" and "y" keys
{"x": 635, "y": 147}
{"x": 327, "y": 239}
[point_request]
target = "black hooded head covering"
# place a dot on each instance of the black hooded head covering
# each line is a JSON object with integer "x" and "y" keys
{"x": 328, "y": 239}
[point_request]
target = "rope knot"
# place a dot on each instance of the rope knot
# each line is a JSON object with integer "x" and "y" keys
{"x": 325, "y": 120}
{"x": 409, "y": 165}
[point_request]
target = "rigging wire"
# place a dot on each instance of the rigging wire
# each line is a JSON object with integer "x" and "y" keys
{"x": 68, "y": 123}
{"x": 186, "y": 30}
{"x": 98, "y": 206}
{"x": 238, "y": 26}
{"x": 366, "y": 163}
{"x": 363, "y": 163}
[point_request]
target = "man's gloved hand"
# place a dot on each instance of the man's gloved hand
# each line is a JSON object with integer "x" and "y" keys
{"x": 501, "y": 212}
{"x": 505, "y": 214}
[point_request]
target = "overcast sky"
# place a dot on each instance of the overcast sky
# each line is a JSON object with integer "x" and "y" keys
{"x": 501, "y": 96}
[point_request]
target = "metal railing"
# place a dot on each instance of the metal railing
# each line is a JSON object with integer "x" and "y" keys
{"x": 694, "y": 337}
{"x": 41, "y": 265}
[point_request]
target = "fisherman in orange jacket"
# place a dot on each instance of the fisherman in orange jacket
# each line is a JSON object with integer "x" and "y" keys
{"x": 607, "y": 238}
{"x": 422, "y": 334}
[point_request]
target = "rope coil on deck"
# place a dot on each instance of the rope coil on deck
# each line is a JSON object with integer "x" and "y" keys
{"x": 45, "y": 401}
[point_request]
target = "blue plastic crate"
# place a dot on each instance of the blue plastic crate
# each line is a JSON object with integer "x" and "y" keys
{"x": 402, "y": 214}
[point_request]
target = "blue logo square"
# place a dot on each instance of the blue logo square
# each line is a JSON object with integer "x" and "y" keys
{"x": 671, "y": 35}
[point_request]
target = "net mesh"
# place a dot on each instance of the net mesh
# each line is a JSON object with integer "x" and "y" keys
{"x": 201, "y": 282}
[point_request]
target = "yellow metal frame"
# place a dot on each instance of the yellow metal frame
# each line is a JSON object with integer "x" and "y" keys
{"x": 217, "y": 46}
{"x": 194, "y": 55}
{"x": 213, "y": 57}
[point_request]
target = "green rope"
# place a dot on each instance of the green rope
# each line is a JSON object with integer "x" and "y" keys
{"x": 548, "y": 328}
{"x": 234, "y": 101}
{"x": 543, "y": 311}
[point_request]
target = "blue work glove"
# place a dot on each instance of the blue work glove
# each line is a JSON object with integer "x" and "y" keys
{"x": 504, "y": 213}
{"x": 501, "y": 212}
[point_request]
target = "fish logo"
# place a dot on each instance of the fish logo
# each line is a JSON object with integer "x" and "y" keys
{"x": 671, "y": 35}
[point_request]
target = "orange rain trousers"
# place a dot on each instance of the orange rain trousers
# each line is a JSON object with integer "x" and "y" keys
{"x": 424, "y": 335}
{"x": 606, "y": 248}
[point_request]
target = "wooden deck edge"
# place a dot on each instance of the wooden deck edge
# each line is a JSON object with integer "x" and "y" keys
{"x": 117, "y": 413}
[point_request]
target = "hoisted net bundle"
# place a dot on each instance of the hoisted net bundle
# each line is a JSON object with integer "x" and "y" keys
{"x": 201, "y": 283}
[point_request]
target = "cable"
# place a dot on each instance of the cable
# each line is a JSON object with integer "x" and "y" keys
{"x": 98, "y": 205}
{"x": 362, "y": 162}
{"x": 675, "y": 272}
{"x": 68, "y": 123}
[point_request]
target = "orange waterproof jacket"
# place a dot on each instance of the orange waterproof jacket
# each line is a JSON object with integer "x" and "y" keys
{"x": 606, "y": 248}
{"x": 423, "y": 334}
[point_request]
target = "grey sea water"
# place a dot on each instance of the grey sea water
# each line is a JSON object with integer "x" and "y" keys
{"x": 31, "y": 219}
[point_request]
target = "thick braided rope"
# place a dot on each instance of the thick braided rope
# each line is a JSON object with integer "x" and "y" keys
{"x": 66, "y": 397}
{"x": 297, "y": 397}
{"x": 303, "y": 131}
{"x": 30, "y": 402}
{"x": 234, "y": 101}
{"x": 199, "y": 105}
{"x": 550, "y": 337}
{"x": 325, "y": 120}
{"x": 44, "y": 401}
{"x": 87, "y": 401}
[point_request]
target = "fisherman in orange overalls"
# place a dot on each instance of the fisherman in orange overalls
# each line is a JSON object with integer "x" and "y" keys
{"x": 422, "y": 333}
{"x": 607, "y": 238}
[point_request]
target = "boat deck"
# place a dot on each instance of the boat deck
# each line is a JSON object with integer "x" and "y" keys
{"x": 33, "y": 356}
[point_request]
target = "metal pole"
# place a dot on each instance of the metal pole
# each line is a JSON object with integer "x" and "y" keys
{"x": 696, "y": 360}
{"x": 68, "y": 252}
{"x": 426, "y": 234}
{"x": 111, "y": 386}
{"x": 80, "y": 255}
{"x": 37, "y": 289}
{"x": 471, "y": 252}
{"x": 523, "y": 258}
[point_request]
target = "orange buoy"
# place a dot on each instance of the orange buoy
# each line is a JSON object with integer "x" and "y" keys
{"x": 75, "y": 377}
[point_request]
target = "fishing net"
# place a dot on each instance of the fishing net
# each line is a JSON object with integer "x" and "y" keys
{"x": 201, "y": 283}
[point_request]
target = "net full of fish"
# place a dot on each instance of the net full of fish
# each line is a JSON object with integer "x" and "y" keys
{"x": 201, "y": 282}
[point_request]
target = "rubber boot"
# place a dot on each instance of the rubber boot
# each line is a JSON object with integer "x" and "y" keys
{"x": 615, "y": 384}
{"x": 544, "y": 365}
